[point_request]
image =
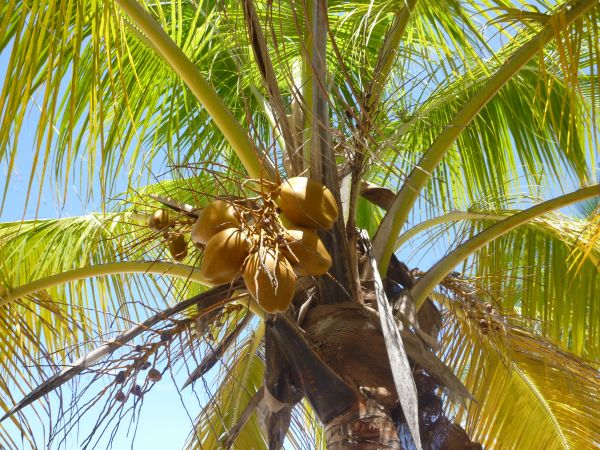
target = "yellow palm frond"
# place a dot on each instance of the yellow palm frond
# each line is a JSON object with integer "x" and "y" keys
{"x": 528, "y": 393}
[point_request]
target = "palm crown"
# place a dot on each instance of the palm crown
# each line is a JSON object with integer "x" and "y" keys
{"x": 439, "y": 127}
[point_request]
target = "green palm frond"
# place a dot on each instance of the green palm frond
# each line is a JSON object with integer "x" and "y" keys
{"x": 63, "y": 321}
{"x": 33, "y": 250}
{"x": 534, "y": 271}
{"x": 529, "y": 394}
{"x": 521, "y": 270}
{"x": 96, "y": 245}
{"x": 533, "y": 136}
{"x": 34, "y": 333}
{"x": 516, "y": 60}
{"x": 114, "y": 113}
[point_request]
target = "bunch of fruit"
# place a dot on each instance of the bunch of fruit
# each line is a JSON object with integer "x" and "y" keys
{"x": 270, "y": 243}
{"x": 161, "y": 222}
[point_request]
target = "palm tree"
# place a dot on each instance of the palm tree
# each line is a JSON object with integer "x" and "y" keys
{"x": 458, "y": 132}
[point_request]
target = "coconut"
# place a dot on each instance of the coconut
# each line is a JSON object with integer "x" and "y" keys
{"x": 307, "y": 203}
{"x": 120, "y": 396}
{"x": 121, "y": 377}
{"x": 224, "y": 255}
{"x": 270, "y": 279}
{"x": 137, "y": 391}
{"x": 154, "y": 375}
{"x": 217, "y": 216}
{"x": 159, "y": 220}
{"x": 178, "y": 247}
{"x": 306, "y": 252}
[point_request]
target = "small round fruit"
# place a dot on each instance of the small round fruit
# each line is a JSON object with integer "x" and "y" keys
{"x": 159, "y": 220}
{"x": 165, "y": 337}
{"x": 271, "y": 280}
{"x": 121, "y": 377}
{"x": 178, "y": 247}
{"x": 154, "y": 375}
{"x": 307, "y": 203}
{"x": 217, "y": 216}
{"x": 306, "y": 252}
{"x": 137, "y": 391}
{"x": 224, "y": 255}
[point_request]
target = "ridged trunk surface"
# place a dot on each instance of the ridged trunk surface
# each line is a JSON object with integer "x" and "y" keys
{"x": 347, "y": 337}
{"x": 369, "y": 428}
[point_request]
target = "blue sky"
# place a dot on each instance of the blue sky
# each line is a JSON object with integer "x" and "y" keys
{"x": 164, "y": 423}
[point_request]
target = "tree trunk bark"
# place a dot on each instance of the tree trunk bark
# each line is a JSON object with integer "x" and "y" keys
{"x": 371, "y": 428}
{"x": 348, "y": 338}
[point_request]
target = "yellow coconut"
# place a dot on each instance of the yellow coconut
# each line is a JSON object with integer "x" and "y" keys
{"x": 307, "y": 203}
{"x": 306, "y": 252}
{"x": 178, "y": 247}
{"x": 286, "y": 222}
{"x": 217, "y": 216}
{"x": 159, "y": 220}
{"x": 270, "y": 279}
{"x": 224, "y": 255}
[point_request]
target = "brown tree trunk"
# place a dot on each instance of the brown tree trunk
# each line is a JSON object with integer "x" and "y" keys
{"x": 348, "y": 338}
{"x": 370, "y": 428}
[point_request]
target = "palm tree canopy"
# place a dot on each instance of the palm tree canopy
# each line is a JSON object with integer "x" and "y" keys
{"x": 487, "y": 108}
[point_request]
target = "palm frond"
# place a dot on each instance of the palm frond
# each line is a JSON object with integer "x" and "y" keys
{"x": 113, "y": 112}
{"x": 528, "y": 392}
{"x": 549, "y": 272}
{"x": 241, "y": 377}
{"x": 521, "y": 268}
{"x": 444, "y": 141}
{"x": 46, "y": 328}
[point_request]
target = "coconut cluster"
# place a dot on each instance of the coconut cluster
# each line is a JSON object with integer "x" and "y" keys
{"x": 161, "y": 222}
{"x": 270, "y": 241}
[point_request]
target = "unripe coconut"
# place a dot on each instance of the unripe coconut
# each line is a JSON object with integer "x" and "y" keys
{"x": 307, "y": 203}
{"x": 270, "y": 279}
{"x": 120, "y": 396}
{"x": 224, "y": 255}
{"x": 217, "y": 216}
{"x": 137, "y": 391}
{"x": 159, "y": 221}
{"x": 178, "y": 247}
{"x": 306, "y": 252}
{"x": 121, "y": 377}
{"x": 154, "y": 375}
